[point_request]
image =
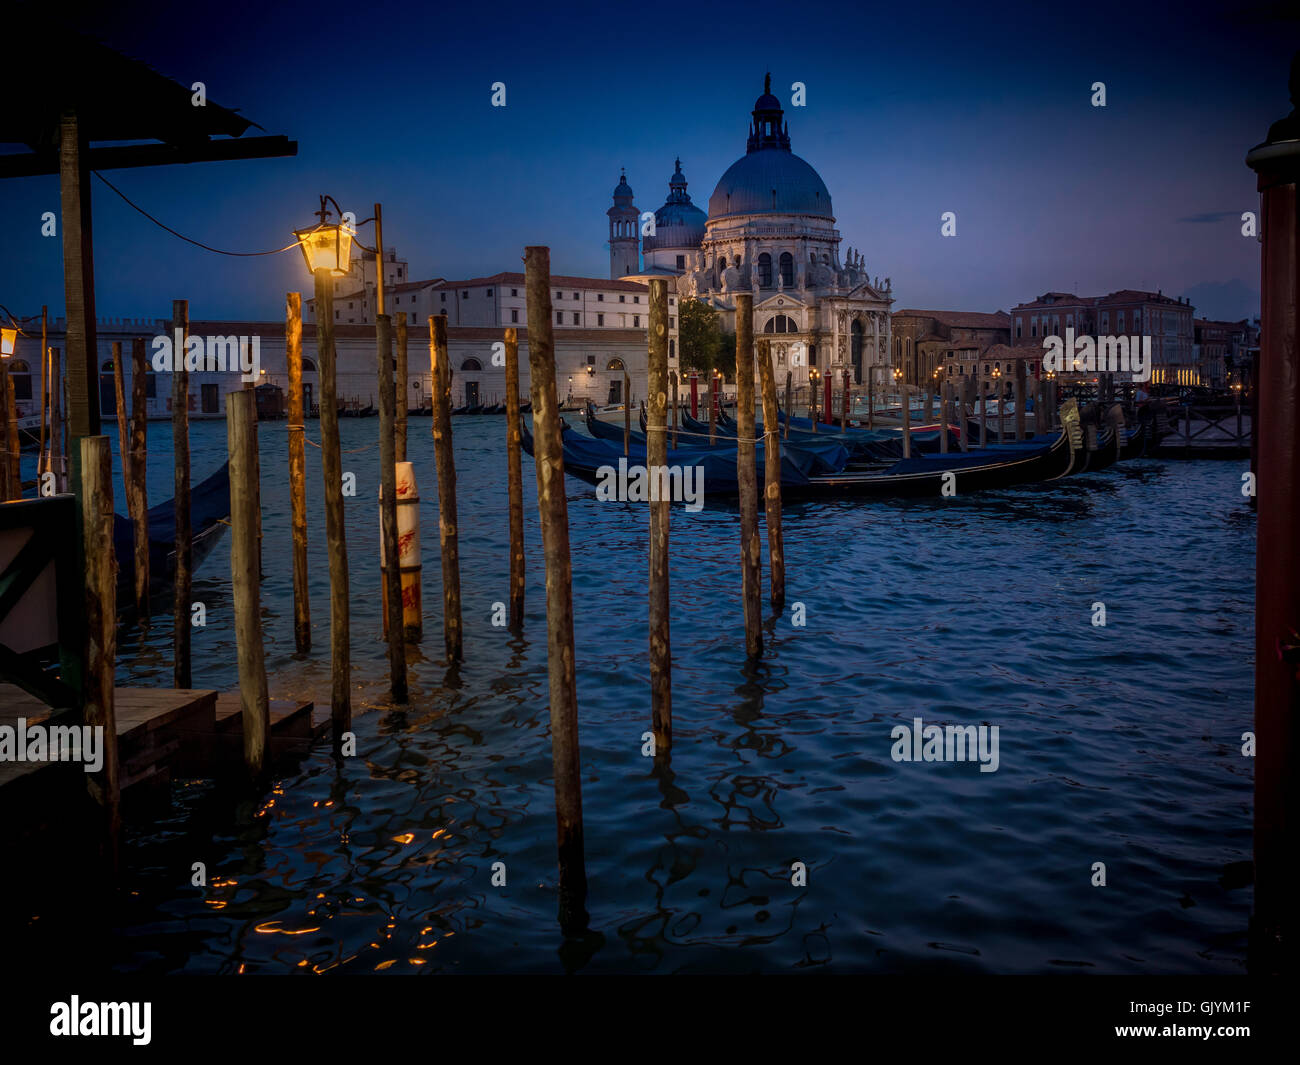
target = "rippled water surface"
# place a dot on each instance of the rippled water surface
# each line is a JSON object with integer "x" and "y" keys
{"x": 1118, "y": 745}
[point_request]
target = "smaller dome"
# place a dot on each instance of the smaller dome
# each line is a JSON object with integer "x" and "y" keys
{"x": 767, "y": 102}
{"x": 623, "y": 188}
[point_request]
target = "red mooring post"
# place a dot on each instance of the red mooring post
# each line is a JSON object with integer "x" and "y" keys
{"x": 1277, "y": 562}
{"x": 695, "y": 395}
{"x": 828, "y": 416}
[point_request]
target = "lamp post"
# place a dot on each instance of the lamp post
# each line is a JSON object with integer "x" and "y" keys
{"x": 568, "y": 400}
{"x": 813, "y": 378}
{"x": 327, "y": 249}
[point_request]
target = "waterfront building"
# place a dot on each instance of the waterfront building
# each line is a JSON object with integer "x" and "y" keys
{"x": 949, "y": 342}
{"x": 770, "y": 231}
{"x": 1127, "y": 312}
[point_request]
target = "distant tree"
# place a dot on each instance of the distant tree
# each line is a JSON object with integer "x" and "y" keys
{"x": 699, "y": 335}
{"x": 725, "y": 359}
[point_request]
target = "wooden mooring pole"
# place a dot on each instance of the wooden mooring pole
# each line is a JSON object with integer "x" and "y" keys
{"x": 789, "y": 403}
{"x": 553, "y": 511}
{"x": 751, "y": 576}
{"x": 945, "y": 400}
{"x": 331, "y": 463}
{"x": 1021, "y": 393}
{"x": 713, "y": 407}
{"x": 101, "y": 626}
{"x": 515, "y": 481}
{"x": 445, "y": 462}
{"x": 245, "y": 501}
{"x": 627, "y": 412}
{"x": 137, "y": 490}
{"x": 772, "y": 477}
{"x": 390, "y": 574}
{"x": 297, "y": 472}
{"x": 402, "y": 388}
{"x": 672, "y": 381}
{"x": 661, "y": 676}
{"x": 1276, "y": 428}
{"x": 984, "y": 413}
{"x": 907, "y": 419}
{"x": 183, "y": 581}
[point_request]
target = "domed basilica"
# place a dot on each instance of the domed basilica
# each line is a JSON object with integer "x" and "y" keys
{"x": 769, "y": 231}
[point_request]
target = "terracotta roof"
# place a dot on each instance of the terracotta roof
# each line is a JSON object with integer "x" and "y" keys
{"x": 1012, "y": 351}
{"x": 962, "y": 319}
{"x": 557, "y": 281}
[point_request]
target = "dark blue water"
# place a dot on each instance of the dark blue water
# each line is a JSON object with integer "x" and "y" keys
{"x": 1118, "y": 745}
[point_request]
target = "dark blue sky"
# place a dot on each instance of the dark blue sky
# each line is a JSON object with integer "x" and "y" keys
{"x": 912, "y": 110}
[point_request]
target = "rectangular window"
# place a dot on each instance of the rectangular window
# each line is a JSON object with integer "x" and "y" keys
{"x": 600, "y": 319}
{"x": 636, "y": 320}
{"x": 514, "y": 292}
{"x": 575, "y": 317}
{"x": 600, "y": 297}
{"x": 444, "y": 296}
{"x": 576, "y": 296}
{"x": 672, "y": 323}
{"x": 681, "y": 262}
{"x": 514, "y": 314}
{"x": 636, "y": 299}
{"x": 489, "y": 293}
{"x": 622, "y": 298}
{"x": 559, "y": 295}
{"x": 559, "y": 317}
{"x": 591, "y": 360}
{"x": 465, "y": 295}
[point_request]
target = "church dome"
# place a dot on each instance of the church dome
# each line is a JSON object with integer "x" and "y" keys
{"x": 769, "y": 178}
{"x": 678, "y": 223}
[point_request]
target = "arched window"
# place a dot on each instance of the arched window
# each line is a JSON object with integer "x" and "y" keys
{"x": 787, "y": 269}
{"x": 471, "y": 364}
{"x": 20, "y": 375}
{"x": 826, "y": 259}
{"x": 308, "y": 366}
{"x": 765, "y": 271}
{"x": 614, "y": 364}
{"x": 780, "y": 323}
{"x": 672, "y": 348}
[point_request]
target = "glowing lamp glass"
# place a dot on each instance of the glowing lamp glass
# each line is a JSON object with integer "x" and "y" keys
{"x": 8, "y": 341}
{"x": 326, "y": 248}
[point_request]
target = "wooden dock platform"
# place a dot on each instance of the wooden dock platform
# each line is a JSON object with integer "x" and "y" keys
{"x": 161, "y": 733}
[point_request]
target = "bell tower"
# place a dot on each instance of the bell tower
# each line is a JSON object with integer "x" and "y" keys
{"x": 624, "y": 232}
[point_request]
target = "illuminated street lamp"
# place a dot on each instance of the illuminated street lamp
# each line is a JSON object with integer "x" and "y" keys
{"x": 8, "y": 341}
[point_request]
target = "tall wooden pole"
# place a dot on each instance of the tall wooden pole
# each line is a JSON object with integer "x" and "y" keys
{"x": 58, "y": 423}
{"x": 554, "y": 513}
{"x": 331, "y": 463}
{"x": 119, "y": 396}
{"x": 984, "y": 412}
{"x": 402, "y": 388}
{"x": 137, "y": 490}
{"x": 907, "y": 419}
{"x": 672, "y": 381}
{"x": 844, "y": 405}
{"x": 96, "y": 466}
{"x": 515, "y": 482}
{"x": 45, "y": 392}
{"x": 392, "y": 572}
{"x": 661, "y": 676}
{"x": 772, "y": 478}
{"x": 789, "y": 403}
{"x": 943, "y": 417}
{"x": 182, "y": 588}
{"x": 80, "y": 338}
{"x": 13, "y": 485}
{"x": 1276, "y": 385}
{"x": 871, "y": 398}
{"x": 713, "y": 407}
{"x": 627, "y": 412}
{"x": 751, "y": 576}
{"x": 1020, "y": 399}
{"x": 297, "y": 472}
{"x": 448, "y": 532}
{"x": 245, "y": 500}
